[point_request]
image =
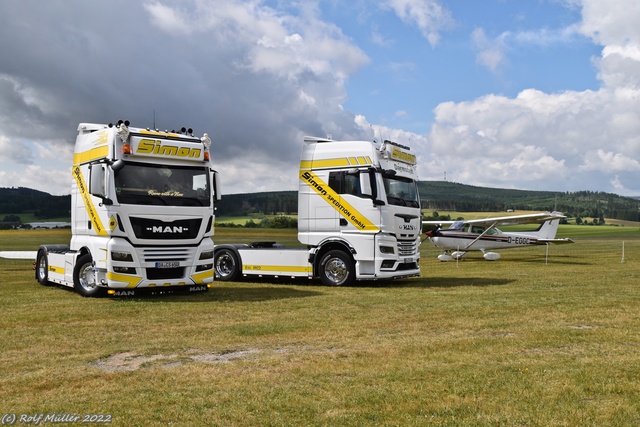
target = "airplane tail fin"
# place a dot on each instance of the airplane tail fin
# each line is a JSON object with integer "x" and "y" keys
{"x": 549, "y": 228}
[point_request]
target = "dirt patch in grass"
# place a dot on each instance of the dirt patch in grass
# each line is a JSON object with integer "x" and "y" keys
{"x": 132, "y": 361}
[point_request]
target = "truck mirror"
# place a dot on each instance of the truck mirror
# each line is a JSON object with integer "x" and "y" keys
{"x": 365, "y": 184}
{"x": 216, "y": 185}
{"x": 96, "y": 180}
{"x": 117, "y": 165}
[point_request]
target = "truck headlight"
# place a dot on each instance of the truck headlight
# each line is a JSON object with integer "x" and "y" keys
{"x": 125, "y": 270}
{"x": 387, "y": 250}
{"x": 206, "y": 254}
{"x": 121, "y": 256}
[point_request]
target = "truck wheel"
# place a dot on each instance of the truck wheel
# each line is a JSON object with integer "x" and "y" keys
{"x": 84, "y": 278}
{"x": 337, "y": 269}
{"x": 42, "y": 269}
{"x": 226, "y": 265}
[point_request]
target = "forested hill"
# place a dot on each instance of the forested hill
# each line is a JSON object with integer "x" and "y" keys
{"x": 20, "y": 200}
{"x": 444, "y": 195}
{"x": 435, "y": 195}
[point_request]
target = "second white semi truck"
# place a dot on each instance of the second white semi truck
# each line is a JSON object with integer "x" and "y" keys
{"x": 358, "y": 215}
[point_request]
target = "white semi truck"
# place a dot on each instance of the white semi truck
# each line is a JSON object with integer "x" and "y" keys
{"x": 358, "y": 215}
{"x": 142, "y": 214}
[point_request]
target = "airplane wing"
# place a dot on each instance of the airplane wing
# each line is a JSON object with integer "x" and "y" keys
{"x": 18, "y": 254}
{"x": 507, "y": 220}
{"x": 556, "y": 241}
{"x": 438, "y": 222}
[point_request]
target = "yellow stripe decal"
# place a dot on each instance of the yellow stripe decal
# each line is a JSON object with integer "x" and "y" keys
{"x": 283, "y": 268}
{"x": 345, "y": 209}
{"x": 54, "y": 269}
{"x": 132, "y": 281}
{"x": 199, "y": 277}
{"x": 326, "y": 163}
{"x": 88, "y": 203}
{"x": 87, "y": 156}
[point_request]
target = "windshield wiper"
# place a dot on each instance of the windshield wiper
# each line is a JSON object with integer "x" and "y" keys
{"x": 200, "y": 201}
{"x": 396, "y": 201}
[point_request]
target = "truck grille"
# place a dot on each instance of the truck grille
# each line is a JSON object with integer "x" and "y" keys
{"x": 168, "y": 254}
{"x": 164, "y": 255}
{"x": 407, "y": 248}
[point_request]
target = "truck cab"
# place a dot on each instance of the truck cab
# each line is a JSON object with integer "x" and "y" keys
{"x": 142, "y": 213}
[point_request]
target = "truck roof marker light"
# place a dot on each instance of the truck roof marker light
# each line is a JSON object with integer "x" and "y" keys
{"x": 206, "y": 156}
{"x": 126, "y": 149}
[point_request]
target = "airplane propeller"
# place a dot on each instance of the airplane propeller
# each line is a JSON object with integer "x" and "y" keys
{"x": 432, "y": 233}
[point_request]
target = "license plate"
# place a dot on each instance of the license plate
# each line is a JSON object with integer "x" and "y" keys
{"x": 167, "y": 264}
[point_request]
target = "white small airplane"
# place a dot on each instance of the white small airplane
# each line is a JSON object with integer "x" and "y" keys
{"x": 482, "y": 234}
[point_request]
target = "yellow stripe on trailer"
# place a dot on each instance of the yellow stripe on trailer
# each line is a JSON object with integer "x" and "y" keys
{"x": 57, "y": 270}
{"x": 281, "y": 268}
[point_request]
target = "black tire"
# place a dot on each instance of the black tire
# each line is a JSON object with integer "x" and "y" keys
{"x": 84, "y": 278}
{"x": 226, "y": 265}
{"x": 336, "y": 268}
{"x": 42, "y": 268}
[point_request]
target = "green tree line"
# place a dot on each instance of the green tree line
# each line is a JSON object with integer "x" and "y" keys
{"x": 434, "y": 195}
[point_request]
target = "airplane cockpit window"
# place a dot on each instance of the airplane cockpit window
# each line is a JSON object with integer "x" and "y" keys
{"x": 457, "y": 225}
{"x": 477, "y": 230}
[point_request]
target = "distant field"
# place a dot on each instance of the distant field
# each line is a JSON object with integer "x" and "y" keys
{"x": 242, "y": 220}
{"x": 517, "y": 342}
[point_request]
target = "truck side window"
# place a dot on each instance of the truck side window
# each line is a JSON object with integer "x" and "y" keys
{"x": 345, "y": 183}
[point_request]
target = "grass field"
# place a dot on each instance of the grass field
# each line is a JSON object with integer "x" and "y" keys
{"x": 517, "y": 342}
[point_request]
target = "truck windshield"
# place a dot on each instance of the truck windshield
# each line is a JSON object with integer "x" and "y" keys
{"x": 142, "y": 184}
{"x": 401, "y": 191}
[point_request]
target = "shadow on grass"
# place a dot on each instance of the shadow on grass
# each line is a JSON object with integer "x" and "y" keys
{"x": 437, "y": 282}
{"x": 228, "y": 294}
{"x": 411, "y": 282}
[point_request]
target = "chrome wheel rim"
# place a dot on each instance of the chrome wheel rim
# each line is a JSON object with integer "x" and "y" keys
{"x": 224, "y": 265}
{"x": 42, "y": 268}
{"x": 87, "y": 277}
{"x": 336, "y": 270}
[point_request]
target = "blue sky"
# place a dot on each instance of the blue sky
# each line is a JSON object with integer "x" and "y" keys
{"x": 535, "y": 94}
{"x": 408, "y": 76}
